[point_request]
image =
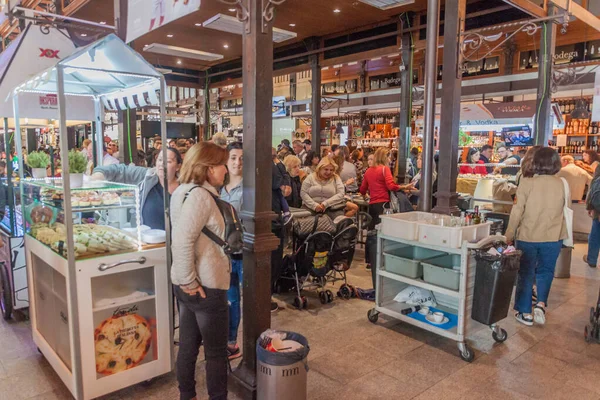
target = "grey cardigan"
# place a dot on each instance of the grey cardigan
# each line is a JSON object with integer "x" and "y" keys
{"x": 145, "y": 178}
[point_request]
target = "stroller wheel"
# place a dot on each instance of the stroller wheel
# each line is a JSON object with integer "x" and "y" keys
{"x": 323, "y": 297}
{"x": 587, "y": 334}
{"x": 298, "y": 303}
{"x": 304, "y": 302}
{"x": 329, "y": 296}
{"x": 345, "y": 292}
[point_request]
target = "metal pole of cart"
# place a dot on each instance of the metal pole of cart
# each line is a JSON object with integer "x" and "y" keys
{"x": 99, "y": 112}
{"x": 21, "y": 172}
{"x": 163, "y": 136}
{"x": 9, "y": 184}
{"x": 71, "y": 271}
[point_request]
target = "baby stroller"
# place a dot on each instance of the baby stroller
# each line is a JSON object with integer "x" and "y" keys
{"x": 592, "y": 331}
{"x": 323, "y": 250}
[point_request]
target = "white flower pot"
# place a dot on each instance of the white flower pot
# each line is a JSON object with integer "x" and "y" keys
{"x": 76, "y": 180}
{"x": 39, "y": 173}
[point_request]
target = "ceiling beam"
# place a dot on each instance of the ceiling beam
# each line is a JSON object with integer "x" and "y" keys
{"x": 578, "y": 12}
{"x": 528, "y": 7}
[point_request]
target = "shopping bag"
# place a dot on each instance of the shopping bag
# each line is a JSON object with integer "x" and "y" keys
{"x": 568, "y": 214}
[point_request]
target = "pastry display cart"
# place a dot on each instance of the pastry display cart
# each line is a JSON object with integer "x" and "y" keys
{"x": 100, "y": 298}
{"x": 13, "y": 274}
{"x": 425, "y": 251}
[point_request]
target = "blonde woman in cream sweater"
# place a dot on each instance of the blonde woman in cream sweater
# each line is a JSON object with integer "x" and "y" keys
{"x": 201, "y": 270}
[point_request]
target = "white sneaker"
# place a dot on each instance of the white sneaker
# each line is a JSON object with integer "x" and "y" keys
{"x": 539, "y": 315}
{"x": 524, "y": 319}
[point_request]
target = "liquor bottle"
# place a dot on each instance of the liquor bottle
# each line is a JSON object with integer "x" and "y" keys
{"x": 476, "y": 216}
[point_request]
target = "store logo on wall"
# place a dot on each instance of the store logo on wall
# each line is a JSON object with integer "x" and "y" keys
{"x": 49, "y": 53}
{"x": 49, "y": 102}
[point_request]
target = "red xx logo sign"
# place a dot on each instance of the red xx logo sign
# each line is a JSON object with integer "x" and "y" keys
{"x": 49, "y": 53}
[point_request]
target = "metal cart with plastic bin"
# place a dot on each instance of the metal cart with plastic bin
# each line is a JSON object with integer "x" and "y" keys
{"x": 417, "y": 249}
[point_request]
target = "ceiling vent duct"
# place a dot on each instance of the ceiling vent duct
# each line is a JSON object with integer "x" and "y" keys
{"x": 182, "y": 52}
{"x": 387, "y": 4}
{"x": 227, "y": 23}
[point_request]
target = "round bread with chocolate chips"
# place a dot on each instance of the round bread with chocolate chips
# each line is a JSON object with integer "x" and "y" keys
{"x": 121, "y": 343}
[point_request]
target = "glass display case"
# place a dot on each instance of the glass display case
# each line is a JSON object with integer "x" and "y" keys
{"x": 105, "y": 216}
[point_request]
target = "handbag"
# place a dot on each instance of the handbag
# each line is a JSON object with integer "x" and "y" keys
{"x": 568, "y": 214}
{"x": 399, "y": 202}
{"x": 303, "y": 227}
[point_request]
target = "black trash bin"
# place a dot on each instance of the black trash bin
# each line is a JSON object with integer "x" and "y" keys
{"x": 494, "y": 281}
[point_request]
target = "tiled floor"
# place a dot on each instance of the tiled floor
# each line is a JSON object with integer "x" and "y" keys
{"x": 351, "y": 358}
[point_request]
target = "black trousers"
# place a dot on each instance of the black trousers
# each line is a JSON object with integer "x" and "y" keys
{"x": 203, "y": 321}
{"x": 375, "y": 211}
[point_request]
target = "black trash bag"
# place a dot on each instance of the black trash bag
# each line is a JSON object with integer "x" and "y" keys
{"x": 502, "y": 262}
{"x": 494, "y": 281}
{"x": 281, "y": 359}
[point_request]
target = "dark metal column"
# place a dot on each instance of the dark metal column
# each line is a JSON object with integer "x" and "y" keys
{"x": 450, "y": 119}
{"x": 256, "y": 212}
{"x": 543, "y": 121}
{"x": 431, "y": 50}
{"x": 315, "y": 106}
{"x": 406, "y": 84}
{"x": 510, "y": 49}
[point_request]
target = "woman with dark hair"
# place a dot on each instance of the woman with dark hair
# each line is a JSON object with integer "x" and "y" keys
{"x": 231, "y": 192}
{"x": 591, "y": 158}
{"x": 310, "y": 162}
{"x": 151, "y": 182}
{"x": 473, "y": 157}
{"x": 537, "y": 224}
{"x": 346, "y": 169}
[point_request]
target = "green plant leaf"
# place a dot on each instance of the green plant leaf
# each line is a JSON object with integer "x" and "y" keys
{"x": 77, "y": 162}
{"x": 38, "y": 159}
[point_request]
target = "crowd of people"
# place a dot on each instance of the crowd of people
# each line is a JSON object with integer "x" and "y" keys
{"x": 207, "y": 281}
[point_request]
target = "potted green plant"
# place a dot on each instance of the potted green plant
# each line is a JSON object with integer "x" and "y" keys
{"x": 38, "y": 161}
{"x": 77, "y": 165}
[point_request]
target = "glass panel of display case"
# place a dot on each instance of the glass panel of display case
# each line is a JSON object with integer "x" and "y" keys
{"x": 105, "y": 216}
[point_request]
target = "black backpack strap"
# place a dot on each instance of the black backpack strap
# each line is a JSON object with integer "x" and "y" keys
{"x": 211, "y": 235}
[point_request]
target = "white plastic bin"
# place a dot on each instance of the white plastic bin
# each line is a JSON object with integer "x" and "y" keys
{"x": 404, "y": 225}
{"x": 447, "y": 236}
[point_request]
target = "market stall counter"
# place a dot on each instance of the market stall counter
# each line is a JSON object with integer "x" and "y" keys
{"x": 121, "y": 282}
{"x": 101, "y": 302}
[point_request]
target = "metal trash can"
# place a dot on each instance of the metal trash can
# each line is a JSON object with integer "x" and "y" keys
{"x": 563, "y": 264}
{"x": 282, "y": 375}
{"x": 494, "y": 281}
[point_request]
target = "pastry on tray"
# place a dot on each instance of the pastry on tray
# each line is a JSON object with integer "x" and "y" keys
{"x": 95, "y": 200}
{"x": 110, "y": 198}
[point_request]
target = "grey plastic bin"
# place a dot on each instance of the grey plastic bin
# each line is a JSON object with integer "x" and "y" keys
{"x": 440, "y": 271}
{"x": 282, "y": 375}
{"x": 406, "y": 260}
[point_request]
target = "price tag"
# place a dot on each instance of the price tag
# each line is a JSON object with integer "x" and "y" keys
{"x": 561, "y": 140}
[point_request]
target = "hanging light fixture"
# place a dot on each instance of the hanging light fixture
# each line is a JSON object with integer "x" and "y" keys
{"x": 581, "y": 110}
